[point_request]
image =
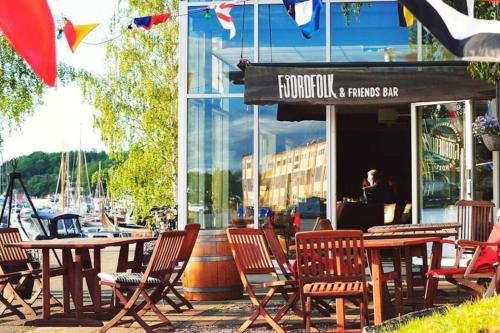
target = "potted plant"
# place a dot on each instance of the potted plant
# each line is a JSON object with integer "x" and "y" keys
{"x": 488, "y": 130}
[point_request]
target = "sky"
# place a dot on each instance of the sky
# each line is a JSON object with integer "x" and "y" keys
{"x": 57, "y": 124}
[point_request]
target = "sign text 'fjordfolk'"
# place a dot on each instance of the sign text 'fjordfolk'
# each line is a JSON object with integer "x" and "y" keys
{"x": 323, "y": 86}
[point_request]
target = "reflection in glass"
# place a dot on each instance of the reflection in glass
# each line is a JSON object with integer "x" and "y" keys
{"x": 292, "y": 170}
{"x": 280, "y": 40}
{"x": 441, "y": 156}
{"x": 483, "y": 177}
{"x": 212, "y": 56}
{"x": 370, "y": 32}
{"x": 220, "y": 135}
{"x": 433, "y": 50}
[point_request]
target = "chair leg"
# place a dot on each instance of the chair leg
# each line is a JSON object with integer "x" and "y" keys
{"x": 307, "y": 314}
{"x": 127, "y": 305}
{"x": 409, "y": 273}
{"x": 339, "y": 306}
{"x": 11, "y": 307}
{"x": 430, "y": 291}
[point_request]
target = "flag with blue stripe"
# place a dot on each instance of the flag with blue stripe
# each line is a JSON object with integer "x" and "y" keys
{"x": 306, "y": 14}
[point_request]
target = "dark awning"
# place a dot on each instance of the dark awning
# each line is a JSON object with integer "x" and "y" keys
{"x": 294, "y": 84}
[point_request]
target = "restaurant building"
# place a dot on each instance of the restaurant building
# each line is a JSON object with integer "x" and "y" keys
{"x": 298, "y": 131}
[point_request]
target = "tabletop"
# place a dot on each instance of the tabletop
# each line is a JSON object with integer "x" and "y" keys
{"x": 392, "y": 242}
{"x": 411, "y": 234}
{"x": 413, "y": 227}
{"x": 79, "y": 243}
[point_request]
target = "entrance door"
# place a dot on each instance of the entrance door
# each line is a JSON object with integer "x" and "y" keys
{"x": 442, "y": 156}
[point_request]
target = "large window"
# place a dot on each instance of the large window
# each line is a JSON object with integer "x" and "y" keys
{"x": 292, "y": 169}
{"x": 483, "y": 177}
{"x": 219, "y": 143}
{"x": 370, "y": 32}
{"x": 280, "y": 40}
{"x": 212, "y": 55}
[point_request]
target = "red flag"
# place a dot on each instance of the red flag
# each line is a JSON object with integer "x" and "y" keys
{"x": 29, "y": 27}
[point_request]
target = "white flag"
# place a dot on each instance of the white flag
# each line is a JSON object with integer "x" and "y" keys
{"x": 223, "y": 15}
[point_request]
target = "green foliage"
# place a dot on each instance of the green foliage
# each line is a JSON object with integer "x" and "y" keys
{"x": 40, "y": 171}
{"x": 479, "y": 316}
{"x": 20, "y": 89}
{"x": 137, "y": 105}
{"x": 489, "y": 72}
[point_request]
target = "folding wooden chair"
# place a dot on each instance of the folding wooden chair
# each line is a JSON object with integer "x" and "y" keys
{"x": 192, "y": 231}
{"x": 484, "y": 265}
{"x": 156, "y": 277}
{"x": 252, "y": 258}
{"x": 331, "y": 264}
{"x": 14, "y": 261}
{"x": 286, "y": 268}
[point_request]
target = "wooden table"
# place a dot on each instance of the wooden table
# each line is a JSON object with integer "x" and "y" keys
{"x": 390, "y": 228}
{"x": 380, "y": 278}
{"x": 81, "y": 265}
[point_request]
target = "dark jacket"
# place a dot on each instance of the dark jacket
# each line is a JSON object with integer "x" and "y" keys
{"x": 378, "y": 193}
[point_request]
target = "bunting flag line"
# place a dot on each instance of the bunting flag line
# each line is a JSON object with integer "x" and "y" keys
{"x": 29, "y": 27}
{"x": 76, "y": 33}
{"x": 306, "y": 14}
{"x": 406, "y": 18}
{"x": 147, "y": 22}
{"x": 464, "y": 36}
{"x": 222, "y": 11}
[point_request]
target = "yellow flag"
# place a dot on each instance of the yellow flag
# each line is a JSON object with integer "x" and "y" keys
{"x": 408, "y": 17}
{"x": 80, "y": 32}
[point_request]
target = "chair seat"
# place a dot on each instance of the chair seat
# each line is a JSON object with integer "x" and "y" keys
{"x": 127, "y": 278}
{"x": 443, "y": 272}
{"x": 333, "y": 289}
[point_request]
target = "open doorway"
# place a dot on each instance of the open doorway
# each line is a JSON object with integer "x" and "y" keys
{"x": 374, "y": 137}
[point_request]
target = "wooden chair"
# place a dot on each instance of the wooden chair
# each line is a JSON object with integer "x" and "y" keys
{"x": 252, "y": 258}
{"x": 285, "y": 266}
{"x": 485, "y": 264}
{"x": 157, "y": 277}
{"x": 476, "y": 219}
{"x": 192, "y": 231}
{"x": 331, "y": 264}
{"x": 15, "y": 261}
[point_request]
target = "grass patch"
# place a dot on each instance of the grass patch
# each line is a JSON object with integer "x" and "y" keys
{"x": 480, "y": 316}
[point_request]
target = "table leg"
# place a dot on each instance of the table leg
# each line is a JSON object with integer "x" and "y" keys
{"x": 138, "y": 256}
{"x": 67, "y": 278}
{"x": 340, "y": 311}
{"x": 46, "y": 283}
{"x": 398, "y": 284}
{"x": 377, "y": 285}
{"x": 97, "y": 286}
{"x": 431, "y": 287}
{"x": 122, "y": 259}
{"x": 78, "y": 284}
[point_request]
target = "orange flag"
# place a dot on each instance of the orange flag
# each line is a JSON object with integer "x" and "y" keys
{"x": 29, "y": 27}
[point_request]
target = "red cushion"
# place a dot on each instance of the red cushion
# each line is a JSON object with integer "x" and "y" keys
{"x": 490, "y": 254}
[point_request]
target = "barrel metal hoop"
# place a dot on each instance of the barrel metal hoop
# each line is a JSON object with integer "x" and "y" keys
{"x": 211, "y": 240}
{"x": 211, "y": 259}
{"x": 212, "y": 289}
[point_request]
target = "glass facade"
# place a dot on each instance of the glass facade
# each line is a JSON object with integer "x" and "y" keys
{"x": 229, "y": 143}
{"x": 370, "y": 32}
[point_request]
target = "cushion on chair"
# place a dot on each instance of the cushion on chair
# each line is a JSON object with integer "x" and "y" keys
{"x": 489, "y": 254}
{"x": 127, "y": 278}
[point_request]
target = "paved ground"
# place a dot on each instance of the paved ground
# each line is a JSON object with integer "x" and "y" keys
{"x": 225, "y": 316}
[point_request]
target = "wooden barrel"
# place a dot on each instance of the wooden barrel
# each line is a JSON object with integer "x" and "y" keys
{"x": 211, "y": 273}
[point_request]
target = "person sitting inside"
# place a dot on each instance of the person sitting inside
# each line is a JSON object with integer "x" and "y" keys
{"x": 377, "y": 191}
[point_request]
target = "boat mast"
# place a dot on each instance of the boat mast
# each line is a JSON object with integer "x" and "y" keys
{"x": 79, "y": 178}
{"x": 62, "y": 180}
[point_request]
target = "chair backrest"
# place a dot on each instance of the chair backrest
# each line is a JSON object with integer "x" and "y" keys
{"x": 328, "y": 256}
{"x": 250, "y": 253}
{"x": 277, "y": 251}
{"x": 476, "y": 219}
{"x": 165, "y": 255}
{"x": 490, "y": 254}
{"x": 11, "y": 256}
{"x": 192, "y": 231}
